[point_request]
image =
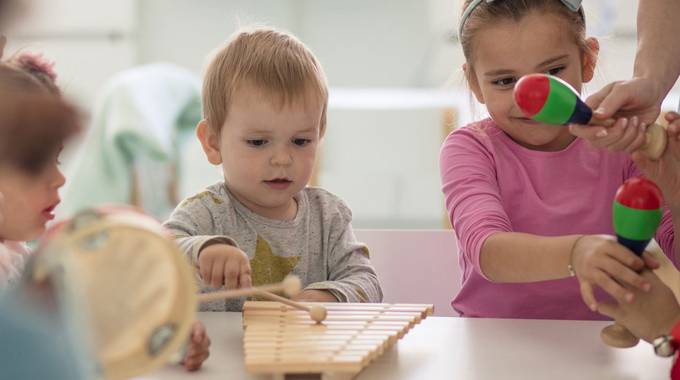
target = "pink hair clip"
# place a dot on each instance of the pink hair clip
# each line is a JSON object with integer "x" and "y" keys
{"x": 36, "y": 62}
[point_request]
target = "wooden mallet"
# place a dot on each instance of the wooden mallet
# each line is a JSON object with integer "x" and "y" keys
{"x": 290, "y": 286}
{"x": 316, "y": 312}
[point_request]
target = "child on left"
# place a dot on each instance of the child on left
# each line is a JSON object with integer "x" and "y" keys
{"x": 30, "y": 143}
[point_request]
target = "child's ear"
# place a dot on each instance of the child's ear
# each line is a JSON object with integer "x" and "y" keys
{"x": 472, "y": 82}
{"x": 590, "y": 59}
{"x": 210, "y": 141}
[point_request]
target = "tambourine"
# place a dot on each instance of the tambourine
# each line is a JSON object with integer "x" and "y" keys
{"x": 122, "y": 280}
{"x": 120, "y": 277}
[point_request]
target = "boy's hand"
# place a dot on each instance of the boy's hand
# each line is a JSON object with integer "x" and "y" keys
{"x": 314, "y": 295}
{"x": 601, "y": 261}
{"x": 665, "y": 172}
{"x": 224, "y": 265}
{"x": 198, "y": 348}
{"x": 651, "y": 314}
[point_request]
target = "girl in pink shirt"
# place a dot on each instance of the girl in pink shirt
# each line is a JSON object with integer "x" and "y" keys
{"x": 531, "y": 204}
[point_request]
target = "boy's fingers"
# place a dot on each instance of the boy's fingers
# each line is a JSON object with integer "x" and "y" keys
{"x": 217, "y": 274}
{"x": 206, "y": 271}
{"x": 198, "y": 332}
{"x": 245, "y": 280}
{"x": 231, "y": 274}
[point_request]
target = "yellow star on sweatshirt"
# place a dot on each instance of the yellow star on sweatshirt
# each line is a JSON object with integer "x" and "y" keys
{"x": 267, "y": 268}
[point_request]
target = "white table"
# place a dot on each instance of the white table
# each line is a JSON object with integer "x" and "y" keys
{"x": 458, "y": 348}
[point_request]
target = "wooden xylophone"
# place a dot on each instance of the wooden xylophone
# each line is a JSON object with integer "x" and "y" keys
{"x": 280, "y": 340}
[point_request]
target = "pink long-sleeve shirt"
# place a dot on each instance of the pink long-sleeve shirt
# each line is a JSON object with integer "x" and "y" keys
{"x": 492, "y": 184}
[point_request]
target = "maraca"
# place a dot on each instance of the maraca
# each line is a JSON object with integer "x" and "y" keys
{"x": 637, "y": 213}
{"x": 550, "y": 100}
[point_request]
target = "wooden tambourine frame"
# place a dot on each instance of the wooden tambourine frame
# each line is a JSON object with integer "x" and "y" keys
{"x": 123, "y": 279}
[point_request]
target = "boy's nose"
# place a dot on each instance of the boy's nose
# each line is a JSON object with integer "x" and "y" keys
{"x": 282, "y": 158}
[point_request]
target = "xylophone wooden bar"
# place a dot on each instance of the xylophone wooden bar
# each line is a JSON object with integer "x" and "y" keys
{"x": 282, "y": 340}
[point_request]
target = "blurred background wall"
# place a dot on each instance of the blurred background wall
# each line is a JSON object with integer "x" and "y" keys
{"x": 393, "y": 67}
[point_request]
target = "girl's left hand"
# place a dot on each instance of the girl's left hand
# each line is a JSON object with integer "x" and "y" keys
{"x": 665, "y": 172}
{"x": 625, "y": 135}
{"x": 199, "y": 347}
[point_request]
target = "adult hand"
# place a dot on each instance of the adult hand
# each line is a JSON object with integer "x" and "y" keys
{"x": 650, "y": 314}
{"x": 638, "y": 96}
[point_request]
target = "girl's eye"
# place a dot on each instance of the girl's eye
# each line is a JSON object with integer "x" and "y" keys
{"x": 504, "y": 82}
{"x": 301, "y": 142}
{"x": 555, "y": 70}
{"x": 258, "y": 142}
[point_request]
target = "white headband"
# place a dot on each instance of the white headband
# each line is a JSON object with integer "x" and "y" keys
{"x": 573, "y": 5}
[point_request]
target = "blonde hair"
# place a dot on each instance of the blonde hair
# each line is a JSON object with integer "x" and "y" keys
{"x": 272, "y": 61}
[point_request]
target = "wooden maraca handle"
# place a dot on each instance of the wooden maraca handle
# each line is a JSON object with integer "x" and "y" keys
{"x": 656, "y": 138}
{"x": 618, "y": 336}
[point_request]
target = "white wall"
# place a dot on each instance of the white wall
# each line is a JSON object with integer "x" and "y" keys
{"x": 383, "y": 161}
{"x": 185, "y": 31}
{"x": 88, "y": 40}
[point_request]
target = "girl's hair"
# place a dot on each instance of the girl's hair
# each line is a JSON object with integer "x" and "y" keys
{"x": 34, "y": 119}
{"x": 487, "y": 13}
{"x": 33, "y": 128}
{"x": 28, "y": 72}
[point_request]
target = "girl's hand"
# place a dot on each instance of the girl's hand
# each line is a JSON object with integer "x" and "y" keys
{"x": 625, "y": 135}
{"x": 598, "y": 260}
{"x": 650, "y": 314}
{"x": 198, "y": 347}
{"x": 665, "y": 172}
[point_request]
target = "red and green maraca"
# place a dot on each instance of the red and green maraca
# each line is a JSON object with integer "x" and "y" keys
{"x": 550, "y": 100}
{"x": 637, "y": 213}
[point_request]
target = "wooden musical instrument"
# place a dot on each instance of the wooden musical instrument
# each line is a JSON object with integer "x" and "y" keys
{"x": 280, "y": 339}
